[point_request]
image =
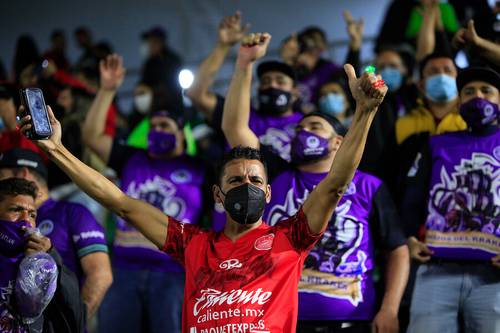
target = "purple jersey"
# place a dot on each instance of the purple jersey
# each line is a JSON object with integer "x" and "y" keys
{"x": 309, "y": 85}
{"x": 336, "y": 282}
{"x": 275, "y": 132}
{"x": 173, "y": 186}
{"x": 463, "y": 219}
{"x": 73, "y": 231}
{"x": 9, "y": 323}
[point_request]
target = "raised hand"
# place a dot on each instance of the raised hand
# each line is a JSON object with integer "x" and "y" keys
{"x": 355, "y": 29}
{"x": 253, "y": 47}
{"x": 53, "y": 141}
{"x": 466, "y": 36}
{"x": 368, "y": 90}
{"x": 112, "y": 72}
{"x": 231, "y": 31}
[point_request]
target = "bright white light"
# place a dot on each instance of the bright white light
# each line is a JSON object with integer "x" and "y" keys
{"x": 186, "y": 78}
{"x": 461, "y": 60}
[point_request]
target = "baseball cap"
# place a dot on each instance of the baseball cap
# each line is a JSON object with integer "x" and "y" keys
{"x": 19, "y": 158}
{"x": 277, "y": 66}
{"x": 483, "y": 74}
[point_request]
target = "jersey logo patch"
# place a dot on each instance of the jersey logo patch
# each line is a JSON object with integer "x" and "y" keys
{"x": 181, "y": 176}
{"x": 264, "y": 243}
{"x": 230, "y": 264}
{"x": 46, "y": 227}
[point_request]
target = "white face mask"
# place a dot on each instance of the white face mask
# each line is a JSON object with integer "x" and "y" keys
{"x": 143, "y": 102}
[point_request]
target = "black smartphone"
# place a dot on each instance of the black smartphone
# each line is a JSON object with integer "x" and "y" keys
{"x": 34, "y": 105}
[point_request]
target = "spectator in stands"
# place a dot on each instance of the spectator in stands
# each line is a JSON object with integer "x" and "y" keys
{"x": 72, "y": 229}
{"x": 26, "y": 54}
{"x": 335, "y": 100}
{"x": 57, "y": 51}
{"x": 146, "y": 281}
{"x": 65, "y": 312}
{"x": 395, "y": 65}
{"x": 162, "y": 65}
{"x": 453, "y": 191}
{"x": 345, "y": 254}
{"x": 274, "y": 119}
{"x": 436, "y": 112}
{"x": 313, "y": 69}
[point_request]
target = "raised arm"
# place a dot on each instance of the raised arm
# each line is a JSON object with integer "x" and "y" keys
{"x": 369, "y": 92}
{"x": 236, "y": 116}
{"x": 112, "y": 73}
{"x": 426, "y": 38}
{"x": 230, "y": 32}
{"x": 150, "y": 221}
{"x": 468, "y": 37}
{"x": 355, "y": 31}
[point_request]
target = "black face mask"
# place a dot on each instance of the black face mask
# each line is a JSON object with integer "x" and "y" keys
{"x": 245, "y": 203}
{"x": 274, "y": 101}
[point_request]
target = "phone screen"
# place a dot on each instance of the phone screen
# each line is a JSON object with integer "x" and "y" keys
{"x": 38, "y": 112}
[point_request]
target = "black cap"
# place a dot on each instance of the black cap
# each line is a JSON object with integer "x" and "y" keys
{"x": 483, "y": 74}
{"x": 156, "y": 31}
{"x": 278, "y": 66}
{"x": 19, "y": 158}
{"x": 336, "y": 124}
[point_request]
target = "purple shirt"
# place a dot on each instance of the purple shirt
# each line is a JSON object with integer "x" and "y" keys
{"x": 309, "y": 85}
{"x": 275, "y": 132}
{"x": 8, "y": 273}
{"x": 463, "y": 219}
{"x": 73, "y": 231}
{"x": 336, "y": 282}
{"x": 173, "y": 186}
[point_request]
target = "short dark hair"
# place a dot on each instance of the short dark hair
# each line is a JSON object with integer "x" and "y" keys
{"x": 17, "y": 186}
{"x": 434, "y": 55}
{"x": 307, "y": 40}
{"x": 239, "y": 152}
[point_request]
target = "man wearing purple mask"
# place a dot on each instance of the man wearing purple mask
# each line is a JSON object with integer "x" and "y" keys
{"x": 336, "y": 289}
{"x": 452, "y": 202}
{"x": 274, "y": 118}
{"x": 71, "y": 227}
{"x": 146, "y": 281}
{"x": 18, "y": 295}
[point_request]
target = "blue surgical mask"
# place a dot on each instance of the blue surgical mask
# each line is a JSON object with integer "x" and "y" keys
{"x": 332, "y": 104}
{"x": 393, "y": 78}
{"x": 441, "y": 88}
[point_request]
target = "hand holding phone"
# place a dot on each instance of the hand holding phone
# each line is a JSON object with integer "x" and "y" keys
{"x": 34, "y": 106}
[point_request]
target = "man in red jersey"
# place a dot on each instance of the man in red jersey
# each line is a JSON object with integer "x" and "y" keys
{"x": 245, "y": 278}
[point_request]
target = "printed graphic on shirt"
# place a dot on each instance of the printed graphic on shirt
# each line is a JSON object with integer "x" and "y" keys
{"x": 160, "y": 193}
{"x": 8, "y": 323}
{"x": 334, "y": 267}
{"x": 279, "y": 140}
{"x": 464, "y": 206}
{"x": 216, "y": 310}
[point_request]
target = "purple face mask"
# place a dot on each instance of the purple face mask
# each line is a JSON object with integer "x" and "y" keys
{"x": 308, "y": 147}
{"x": 161, "y": 143}
{"x": 13, "y": 238}
{"x": 479, "y": 112}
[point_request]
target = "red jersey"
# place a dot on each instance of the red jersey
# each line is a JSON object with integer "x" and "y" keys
{"x": 247, "y": 286}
